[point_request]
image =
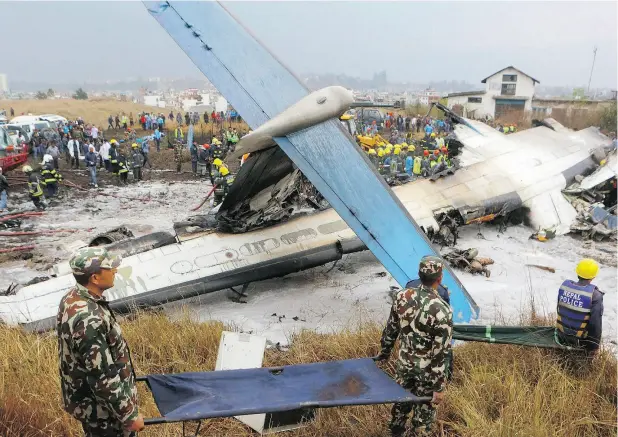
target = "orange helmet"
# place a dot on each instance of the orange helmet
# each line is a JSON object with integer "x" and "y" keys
{"x": 444, "y": 150}
{"x": 436, "y": 152}
{"x": 426, "y": 153}
{"x": 206, "y": 146}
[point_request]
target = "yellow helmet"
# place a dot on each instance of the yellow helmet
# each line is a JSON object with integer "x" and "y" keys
{"x": 587, "y": 269}
{"x": 217, "y": 162}
{"x": 371, "y": 152}
{"x": 397, "y": 151}
{"x": 223, "y": 170}
{"x": 26, "y": 169}
{"x": 113, "y": 141}
{"x": 380, "y": 153}
{"x": 134, "y": 145}
{"x": 411, "y": 147}
{"x": 387, "y": 151}
{"x": 433, "y": 135}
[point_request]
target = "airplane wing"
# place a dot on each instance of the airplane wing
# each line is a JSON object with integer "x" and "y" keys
{"x": 260, "y": 88}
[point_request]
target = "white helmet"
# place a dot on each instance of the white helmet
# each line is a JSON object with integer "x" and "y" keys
{"x": 47, "y": 158}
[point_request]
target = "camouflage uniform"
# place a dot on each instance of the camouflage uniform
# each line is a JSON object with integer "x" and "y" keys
{"x": 178, "y": 148}
{"x": 96, "y": 372}
{"x": 424, "y": 323}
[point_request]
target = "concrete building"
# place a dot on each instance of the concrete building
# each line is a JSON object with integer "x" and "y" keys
{"x": 506, "y": 91}
{"x": 428, "y": 96}
{"x": 4, "y": 83}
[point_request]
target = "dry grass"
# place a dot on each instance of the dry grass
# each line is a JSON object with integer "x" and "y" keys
{"x": 497, "y": 390}
{"x": 92, "y": 111}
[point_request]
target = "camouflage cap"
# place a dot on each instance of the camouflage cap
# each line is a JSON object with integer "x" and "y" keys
{"x": 430, "y": 267}
{"x": 89, "y": 260}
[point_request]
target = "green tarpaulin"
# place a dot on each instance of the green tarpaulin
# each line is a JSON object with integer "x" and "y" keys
{"x": 537, "y": 336}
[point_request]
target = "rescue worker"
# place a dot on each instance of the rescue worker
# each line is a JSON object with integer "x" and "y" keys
{"x": 512, "y": 128}
{"x": 178, "y": 135}
{"x": 91, "y": 159}
{"x": 193, "y": 151}
{"x": 217, "y": 151}
{"x": 123, "y": 169}
{"x": 137, "y": 162}
{"x": 446, "y": 160}
{"x": 204, "y": 159}
{"x": 4, "y": 185}
{"x": 425, "y": 164}
{"x": 417, "y": 166}
{"x": 373, "y": 156}
{"x": 423, "y": 321}
{"x": 34, "y": 187}
{"x": 113, "y": 156}
{"x": 580, "y": 309}
{"x": 97, "y": 377}
{"x": 223, "y": 180}
{"x": 409, "y": 165}
{"x": 432, "y": 163}
{"x": 505, "y": 129}
{"x": 178, "y": 148}
{"x": 233, "y": 140}
{"x": 50, "y": 177}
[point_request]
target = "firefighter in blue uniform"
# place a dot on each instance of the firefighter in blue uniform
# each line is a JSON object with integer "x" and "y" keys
{"x": 580, "y": 309}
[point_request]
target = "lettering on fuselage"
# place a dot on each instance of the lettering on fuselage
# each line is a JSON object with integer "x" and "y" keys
{"x": 302, "y": 235}
{"x": 257, "y": 247}
{"x": 332, "y": 227}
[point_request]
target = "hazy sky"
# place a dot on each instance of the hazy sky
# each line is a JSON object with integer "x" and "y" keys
{"x": 412, "y": 41}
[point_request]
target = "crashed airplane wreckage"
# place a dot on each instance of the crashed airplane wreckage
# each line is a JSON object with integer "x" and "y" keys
{"x": 275, "y": 222}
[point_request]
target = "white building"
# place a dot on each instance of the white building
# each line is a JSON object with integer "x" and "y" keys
{"x": 4, "y": 83}
{"x": 153, "y": 101}
{"x": 506, "y": 91}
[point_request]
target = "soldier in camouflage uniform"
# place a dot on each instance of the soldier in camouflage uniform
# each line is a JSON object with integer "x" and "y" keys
{"x": 424, "y": 324}
{"x": 178, "y": 149}
{"x": 96, "y": 372}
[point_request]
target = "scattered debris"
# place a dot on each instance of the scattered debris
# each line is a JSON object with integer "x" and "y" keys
{"x": 469, "y": 261}
{"x": 11, "y": 290}
{"x": 544, "y": 235}
{"x": 380, "y": 274}
{"x": 546, "y": 268}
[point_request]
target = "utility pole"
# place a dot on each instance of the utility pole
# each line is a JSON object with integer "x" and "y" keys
{"x": 594, "y": 57}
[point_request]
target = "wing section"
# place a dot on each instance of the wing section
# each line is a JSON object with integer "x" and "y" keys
{"x": 260, "y": 88}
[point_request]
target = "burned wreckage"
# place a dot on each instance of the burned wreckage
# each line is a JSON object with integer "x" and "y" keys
{"x": 275, "y": 222}
{"x": 500, "y": 179}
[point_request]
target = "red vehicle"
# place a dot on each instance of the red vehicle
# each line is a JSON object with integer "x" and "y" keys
{"x": 12, "y": 155}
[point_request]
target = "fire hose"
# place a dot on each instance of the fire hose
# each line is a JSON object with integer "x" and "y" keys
{"x": 205, "y": 199}
{"x": 17, "y": 249}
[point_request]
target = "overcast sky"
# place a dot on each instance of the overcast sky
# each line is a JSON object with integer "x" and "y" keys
{"x": 412, "y": 41}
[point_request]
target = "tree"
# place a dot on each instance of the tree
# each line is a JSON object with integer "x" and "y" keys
{"x": 40, "y": 95}
{"x": 50, "y": 93}
{"x": 608, "y": 118}
{"x": 80, "y": 94}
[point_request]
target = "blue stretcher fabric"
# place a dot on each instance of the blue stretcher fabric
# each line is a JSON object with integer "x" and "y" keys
{"x": 194, "y": 396}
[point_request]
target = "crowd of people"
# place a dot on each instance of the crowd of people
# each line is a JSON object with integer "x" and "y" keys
{"x": 403, "y": 157}
{"x": 85, "y": 144}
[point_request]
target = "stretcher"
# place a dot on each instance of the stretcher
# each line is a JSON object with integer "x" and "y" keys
{"x": 185, "y": 397}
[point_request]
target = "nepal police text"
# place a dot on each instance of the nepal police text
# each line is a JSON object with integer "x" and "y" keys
{"x": 572, "y": 299}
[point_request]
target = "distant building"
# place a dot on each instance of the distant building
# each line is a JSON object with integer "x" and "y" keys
{"x": 506, "y": 91}
{"x": 153, "y": 101}
{"x": 4, "y": 83}
{"x": 428, "y": 96}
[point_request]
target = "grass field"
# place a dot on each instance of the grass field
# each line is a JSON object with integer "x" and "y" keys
{"x": 498, "y": 391}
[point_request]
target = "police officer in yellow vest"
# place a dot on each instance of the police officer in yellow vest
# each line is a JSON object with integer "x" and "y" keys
{"x": 580, "y": 309}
